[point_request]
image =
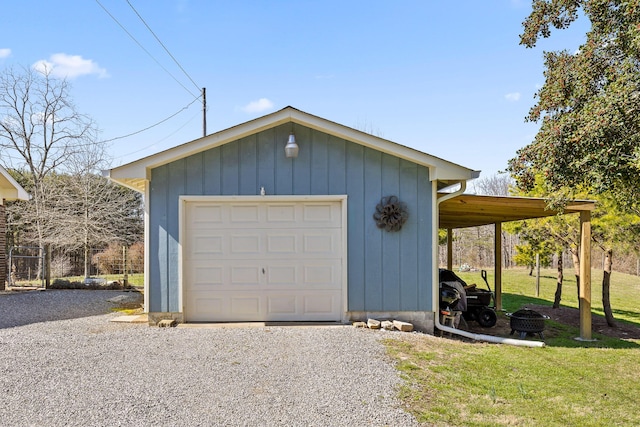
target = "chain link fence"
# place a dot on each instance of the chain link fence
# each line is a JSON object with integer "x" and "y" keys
{"x": 27, "y": 267}
{"x": 116, "y": 266}
{"x": 118, "y": 263}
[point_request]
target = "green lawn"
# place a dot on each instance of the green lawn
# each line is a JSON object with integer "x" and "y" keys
{"x": 518, "y": 288}
{"x": 455, "y": 383}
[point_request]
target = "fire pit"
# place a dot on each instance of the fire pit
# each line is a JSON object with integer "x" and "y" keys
{"x": 526, "y": 321}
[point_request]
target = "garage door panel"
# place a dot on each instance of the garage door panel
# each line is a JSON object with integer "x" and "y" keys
{"x": 265, "y": 261}
{"x": 206, "y": 307}
{"x": 282, "y": 243}
{"x": 207, "y": 245}
{"x": 205, "y": 216}
{"x": 281, "y": 213}
{"x": 320, "y": 304}
{"x": 282, "y": 276}
{"x": 222, "y": 306}
{"x": 244, "y": 244}
{"x": 306, "y": 274}
{"x": 326, "y": 244}
{"x": 320, "y": 213}
{"x": 243, "y": 275}
{"x": 319, "y": 275}
{"x": 281, "y": 304}
{"x": 244, "y": 214}
{"x": 207, "y": 275}
{"x": 265, "y": 244}
{"x": 246, "y": 306}
{"x": 275, "y": 306}
{"x": 279, "y": 274}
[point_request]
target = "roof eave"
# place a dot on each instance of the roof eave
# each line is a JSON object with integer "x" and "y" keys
{"x": 10, "y": 189}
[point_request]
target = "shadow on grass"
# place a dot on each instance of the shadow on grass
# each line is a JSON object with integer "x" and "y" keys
{"x": 563, "y": 326}
{"x": 513, "y": 302}
{"x": 629, "y": 315}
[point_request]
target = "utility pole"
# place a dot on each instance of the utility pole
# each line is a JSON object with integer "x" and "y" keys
{"x": 204, "y": 111}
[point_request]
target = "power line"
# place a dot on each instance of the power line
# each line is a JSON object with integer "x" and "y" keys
{"x": 20, "y": 158}
{"x": 159, "y": 141}
{"x": 88, "y": 144}
{"x": 153, "y": 125}
{"x": 146, "y": 51}
{"x": 162, "y": 44}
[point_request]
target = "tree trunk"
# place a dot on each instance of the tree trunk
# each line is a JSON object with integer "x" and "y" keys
{"x": 38, "y": 198}
{"x": 576, "y": 265}
{"x": 86, "y": 243}
{"x": 606, "y": 282}
{"x": 558, "y": 295}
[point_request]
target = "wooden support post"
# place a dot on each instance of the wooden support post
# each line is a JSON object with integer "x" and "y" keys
{"x": 497, "y": 286}
{"x": 585, "y": 275}
{"x": 449, "y": 249}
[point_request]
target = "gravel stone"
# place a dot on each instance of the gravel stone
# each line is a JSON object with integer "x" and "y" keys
{"x": 62, "y": 363}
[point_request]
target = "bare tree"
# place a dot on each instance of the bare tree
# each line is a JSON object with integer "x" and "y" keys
{"x": 494, "y": 185}
{"x": 106, "y": 212}
{"x": 40, "y": 131}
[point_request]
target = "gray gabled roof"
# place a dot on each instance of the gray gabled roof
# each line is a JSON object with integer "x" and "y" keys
{"x": 137, "y": 173}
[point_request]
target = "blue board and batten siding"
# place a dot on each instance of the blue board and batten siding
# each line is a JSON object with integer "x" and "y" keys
{"x": 386, "y": 271}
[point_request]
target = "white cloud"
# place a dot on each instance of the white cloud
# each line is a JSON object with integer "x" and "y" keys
{"x": 69, "y": 66}
{"x": 513, "y": 96}
{"x": 258, "y": 106}
{"x": 5, "y": 53}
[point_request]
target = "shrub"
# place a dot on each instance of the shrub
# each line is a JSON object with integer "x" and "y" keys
{"x": 109, "y": 261}
{"x": 67, "y": 284}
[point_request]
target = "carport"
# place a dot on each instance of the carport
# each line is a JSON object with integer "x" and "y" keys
{"x": 468, "y": 210}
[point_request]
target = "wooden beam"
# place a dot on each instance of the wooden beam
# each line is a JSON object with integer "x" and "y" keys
{"x": 585, "y": 275}
{"x": 449, "y": 249}
{"x": 473, "y": 210}
{"x": 497, "y": 286}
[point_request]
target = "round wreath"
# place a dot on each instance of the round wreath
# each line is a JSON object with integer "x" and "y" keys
{"x": 391, "y": 214}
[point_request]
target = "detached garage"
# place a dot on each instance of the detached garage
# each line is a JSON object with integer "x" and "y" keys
{"x": 240, "y": 229}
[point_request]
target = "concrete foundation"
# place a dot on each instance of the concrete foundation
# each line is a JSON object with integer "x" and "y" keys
{"x": 422, "y": 321}
{"x": 155, "y": 318}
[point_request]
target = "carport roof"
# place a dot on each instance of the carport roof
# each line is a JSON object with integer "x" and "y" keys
{"x": 469, "y": 210}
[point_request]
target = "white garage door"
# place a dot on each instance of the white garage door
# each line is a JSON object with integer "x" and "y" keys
{"x": 263, "y": 260}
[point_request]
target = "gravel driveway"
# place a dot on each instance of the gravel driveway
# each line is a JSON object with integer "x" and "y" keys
{"x": 62, "y": 363}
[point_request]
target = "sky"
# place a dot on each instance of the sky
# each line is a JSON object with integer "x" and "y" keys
{"x": 448, "y": 78}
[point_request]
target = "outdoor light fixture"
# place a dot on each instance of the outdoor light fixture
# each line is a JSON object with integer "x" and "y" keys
{"x": 291, "y": 149}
